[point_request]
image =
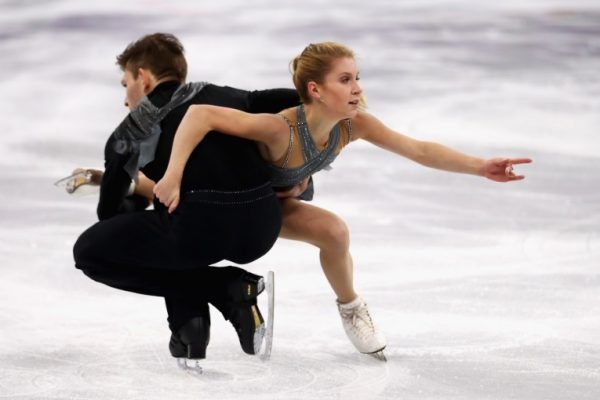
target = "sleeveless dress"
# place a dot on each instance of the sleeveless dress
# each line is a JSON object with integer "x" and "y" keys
{"x": 283, "y": 178}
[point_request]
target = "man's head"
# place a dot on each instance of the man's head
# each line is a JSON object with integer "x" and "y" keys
{"x": 148, "y": 61}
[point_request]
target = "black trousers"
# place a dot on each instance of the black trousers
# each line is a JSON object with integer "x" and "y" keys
{"x": 170, "y": 255}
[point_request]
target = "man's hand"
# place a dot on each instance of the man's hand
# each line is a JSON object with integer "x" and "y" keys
{"x": 167, "y": 191}
{"x": 294, "y": 191}
{"x": 501, "y": 169}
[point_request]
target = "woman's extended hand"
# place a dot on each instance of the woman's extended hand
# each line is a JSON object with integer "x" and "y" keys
{"x": 501, "y": 169}
{"x": 167, "y": 191}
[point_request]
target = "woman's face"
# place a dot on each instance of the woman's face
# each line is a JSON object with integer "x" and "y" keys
{"x": 340, "y": 90}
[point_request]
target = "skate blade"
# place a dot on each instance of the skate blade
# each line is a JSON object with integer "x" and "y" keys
{"x": 260, "y": 286}
{"x": 191, "y": 366}
{"x": 78, "y": 178}
{"x": 268, "y": 334}
{"x": 379, "y": 355}
{"x": 259, "y": 338}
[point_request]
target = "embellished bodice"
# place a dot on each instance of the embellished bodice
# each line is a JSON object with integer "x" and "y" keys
{"x": 314, "y": 159}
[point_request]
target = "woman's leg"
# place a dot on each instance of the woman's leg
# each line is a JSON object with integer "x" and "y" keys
{"x": 327, "y": 231}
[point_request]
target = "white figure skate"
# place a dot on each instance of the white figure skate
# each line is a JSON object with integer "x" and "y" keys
{"x": 360, "y": 329}
{"x": 80, "y": 177}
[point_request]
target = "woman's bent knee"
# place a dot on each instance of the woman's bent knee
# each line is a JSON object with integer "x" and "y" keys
{"x": 336, "y": 233}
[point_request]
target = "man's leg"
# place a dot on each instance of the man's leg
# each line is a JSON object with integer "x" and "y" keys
{"x": 139, "y": 252}
{"x": 189, "y": 321}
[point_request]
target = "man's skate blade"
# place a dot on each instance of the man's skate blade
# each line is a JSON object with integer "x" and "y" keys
{"x": 191, "y": 366}
{"x": 259, "y": 337}
{"x": 268, "y": 340}
{"x": 379, "y": 355}
{"x": 260, "y": 286}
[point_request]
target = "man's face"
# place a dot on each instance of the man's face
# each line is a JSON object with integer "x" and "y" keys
{"x": 134, "y": 89}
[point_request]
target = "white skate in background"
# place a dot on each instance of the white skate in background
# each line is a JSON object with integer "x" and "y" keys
{"x": 82, "y": 181}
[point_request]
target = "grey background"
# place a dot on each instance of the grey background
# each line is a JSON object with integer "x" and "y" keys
{"x": 483, "y": 290}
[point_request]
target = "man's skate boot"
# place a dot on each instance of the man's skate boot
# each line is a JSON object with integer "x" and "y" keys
{"x": 360, "y": 329}
{"x": 244, "y": 313}
{"x": 246, "y": 287}
{"x": 191, "y": 340}
{"x": 249, "y": 325}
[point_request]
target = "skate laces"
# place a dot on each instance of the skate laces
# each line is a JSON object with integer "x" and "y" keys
{"x": 359, "y": 319}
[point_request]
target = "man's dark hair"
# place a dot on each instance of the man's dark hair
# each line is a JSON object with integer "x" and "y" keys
{"x": 160, "y": 53}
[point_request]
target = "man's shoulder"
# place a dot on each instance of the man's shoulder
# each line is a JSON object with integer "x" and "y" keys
{"x": 109, "y": 147}
{"x": 222, "y": 95}
{"x": 213, "y": 88}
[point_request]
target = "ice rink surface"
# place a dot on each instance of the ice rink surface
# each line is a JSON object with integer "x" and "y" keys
{"x": 483, "y": 290}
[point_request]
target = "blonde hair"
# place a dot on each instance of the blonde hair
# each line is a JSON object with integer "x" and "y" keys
{"x": 314, "y": 63}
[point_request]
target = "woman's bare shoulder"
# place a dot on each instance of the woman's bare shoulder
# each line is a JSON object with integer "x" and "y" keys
{"x": 289, "y": 114}
{"x": 363, "y": 123}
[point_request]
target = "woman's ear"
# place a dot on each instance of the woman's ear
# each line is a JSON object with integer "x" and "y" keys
{"x": 314, "y": 91}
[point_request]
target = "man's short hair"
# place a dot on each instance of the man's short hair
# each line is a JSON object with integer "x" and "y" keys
{"x": 160, "y": 53}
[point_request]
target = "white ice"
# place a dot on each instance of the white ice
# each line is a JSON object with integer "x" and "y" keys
{"x": 484, "y": 290}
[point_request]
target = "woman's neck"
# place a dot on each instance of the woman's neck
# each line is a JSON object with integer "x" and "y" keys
{"x": 319, "y": 123}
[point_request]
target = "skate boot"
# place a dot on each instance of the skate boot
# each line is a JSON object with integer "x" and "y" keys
{"x": 80, "y": 177}
{"x": 189, "y": 344}
{"x": 246, "y": 287}
{"x": 249, "y": 324}
{"x": 360, "y": 329}
{"x": 245, "y": 316}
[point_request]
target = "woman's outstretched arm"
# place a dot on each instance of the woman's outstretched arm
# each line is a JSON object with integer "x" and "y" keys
{"x": 432, "y": 154}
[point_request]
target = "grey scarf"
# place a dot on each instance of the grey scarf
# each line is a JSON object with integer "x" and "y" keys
{"x": 139, "y": 132}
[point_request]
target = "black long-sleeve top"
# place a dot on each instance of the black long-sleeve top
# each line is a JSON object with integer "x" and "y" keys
{"x": 219, "y": 162}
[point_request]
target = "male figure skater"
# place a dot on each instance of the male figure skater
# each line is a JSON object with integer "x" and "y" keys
{"x": 228, "y": 210}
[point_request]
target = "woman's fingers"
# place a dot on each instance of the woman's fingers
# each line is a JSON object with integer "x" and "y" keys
{"x": 520, "y": 160}
{"x": 174, "y": 204}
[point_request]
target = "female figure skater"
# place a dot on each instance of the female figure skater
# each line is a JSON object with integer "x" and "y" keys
{"x": 302, "y": 140}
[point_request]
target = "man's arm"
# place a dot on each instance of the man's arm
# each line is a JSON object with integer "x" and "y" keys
{"x": 115, "y": 185}
{"x": 272, "y": 100}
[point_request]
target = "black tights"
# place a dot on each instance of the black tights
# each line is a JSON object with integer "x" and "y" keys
{"x": 154, "y": 253}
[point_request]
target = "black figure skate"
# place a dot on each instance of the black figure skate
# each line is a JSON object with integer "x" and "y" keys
{"x": 245, "y": 316}
{"x": 189, "y": 344}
